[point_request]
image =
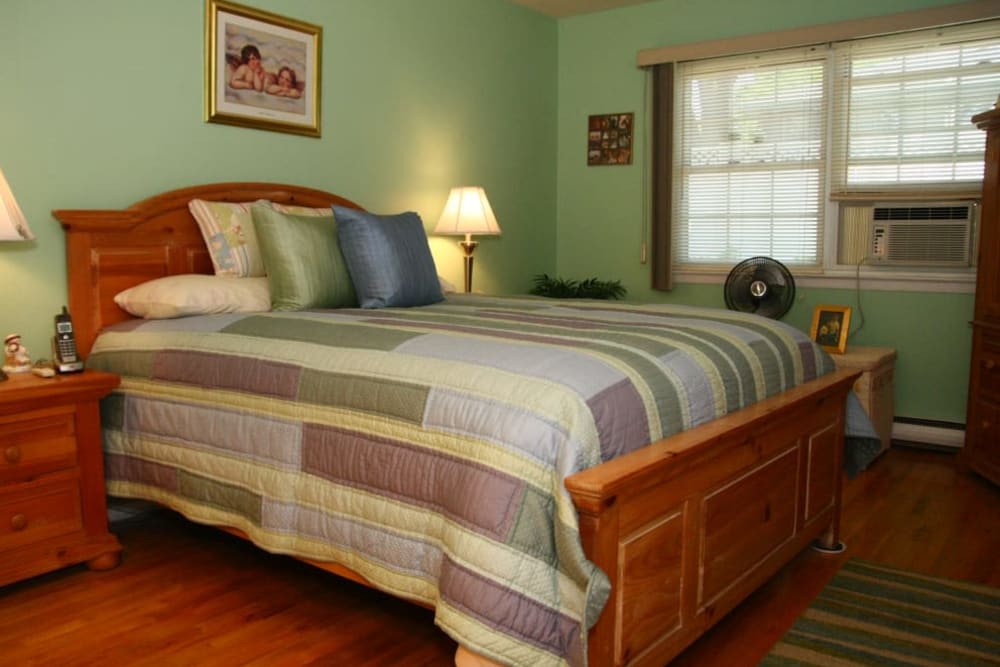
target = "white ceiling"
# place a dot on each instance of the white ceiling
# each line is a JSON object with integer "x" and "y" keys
{"x": 564, "y": 8}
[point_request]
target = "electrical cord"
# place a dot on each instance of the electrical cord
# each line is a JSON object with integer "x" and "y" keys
{"x": 857, "y": 296}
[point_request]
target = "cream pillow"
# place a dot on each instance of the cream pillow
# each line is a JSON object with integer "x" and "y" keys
{"x": 195, "y": 294}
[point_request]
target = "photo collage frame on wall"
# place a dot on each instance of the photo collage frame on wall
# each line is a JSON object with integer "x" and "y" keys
{"x": 609, "y": 139}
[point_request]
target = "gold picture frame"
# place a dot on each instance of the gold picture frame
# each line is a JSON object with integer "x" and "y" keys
{"x": 830, "y": 326}
{"x": 261, "y": 70}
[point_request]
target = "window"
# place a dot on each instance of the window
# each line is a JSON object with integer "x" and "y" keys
{"x": 764, "y": 141}
{"x": 751, "y": 167}
{"x": 902, "y": 106}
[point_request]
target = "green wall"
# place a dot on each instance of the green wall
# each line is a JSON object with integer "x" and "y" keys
{"x": 102, "y": 105}
{"x": 600, "y": 210}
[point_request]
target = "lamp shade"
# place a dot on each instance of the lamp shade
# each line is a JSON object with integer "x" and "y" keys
{"x": 467, "y": 211}
{"x": 13, "y": 226}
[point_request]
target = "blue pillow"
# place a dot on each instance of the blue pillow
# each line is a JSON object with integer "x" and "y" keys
{"x": 388, "y": 258}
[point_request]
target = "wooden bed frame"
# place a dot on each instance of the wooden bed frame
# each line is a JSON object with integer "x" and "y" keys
{"x": 685, "y": 528}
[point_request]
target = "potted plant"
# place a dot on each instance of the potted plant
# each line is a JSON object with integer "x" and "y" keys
{"x": 591, "y": 288}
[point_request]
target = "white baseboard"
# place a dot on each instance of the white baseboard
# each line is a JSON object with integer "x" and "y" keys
{"x": 931, "y": 435}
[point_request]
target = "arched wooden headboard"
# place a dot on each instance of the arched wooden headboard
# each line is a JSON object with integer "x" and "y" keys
{"x": 108, "y": 251}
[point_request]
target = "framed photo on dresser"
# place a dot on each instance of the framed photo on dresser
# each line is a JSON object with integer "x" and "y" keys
{"x": 830, "y": 326}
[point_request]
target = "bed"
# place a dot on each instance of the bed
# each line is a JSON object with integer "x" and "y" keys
{"x": 621, "y": 552}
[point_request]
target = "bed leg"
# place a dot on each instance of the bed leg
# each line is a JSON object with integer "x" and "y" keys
{"x": 838, "y": 547}
{"x": 466, "y": 658}
{"x": 829, "y": 542}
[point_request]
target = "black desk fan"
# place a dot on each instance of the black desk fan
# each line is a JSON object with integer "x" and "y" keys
{"x": 760, "y": 285}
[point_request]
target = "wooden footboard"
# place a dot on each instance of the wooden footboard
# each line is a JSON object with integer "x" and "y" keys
{"x": 688, "y": 527}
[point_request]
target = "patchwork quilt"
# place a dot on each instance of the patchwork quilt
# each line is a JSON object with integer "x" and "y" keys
{"x": 426, "y": 448}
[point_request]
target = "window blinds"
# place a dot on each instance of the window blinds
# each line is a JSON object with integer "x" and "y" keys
{"x": 901, "y": 110}
{"x": 750, "y": 163}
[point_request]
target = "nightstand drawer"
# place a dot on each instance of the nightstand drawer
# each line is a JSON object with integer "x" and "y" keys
{"x": 37, "y": 442}
{"x": 37, "y": 511}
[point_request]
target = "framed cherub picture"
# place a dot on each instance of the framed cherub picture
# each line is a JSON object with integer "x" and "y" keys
{"x": 830, "y": 325}
{"x": 261, "y": 70}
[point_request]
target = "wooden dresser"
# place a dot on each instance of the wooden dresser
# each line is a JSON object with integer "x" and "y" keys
{"x": 53, "y": 509}
{"x": 982, "y": 427}
{"x": 876, "y": 388}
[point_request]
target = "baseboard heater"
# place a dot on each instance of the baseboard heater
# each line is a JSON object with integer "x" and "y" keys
{"x": 928, "y": 432}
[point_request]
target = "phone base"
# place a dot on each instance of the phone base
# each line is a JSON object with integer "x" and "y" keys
{"x": 69, "y": 366}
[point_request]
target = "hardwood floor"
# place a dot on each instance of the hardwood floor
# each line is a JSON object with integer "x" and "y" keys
{"x": 190, "y": 595}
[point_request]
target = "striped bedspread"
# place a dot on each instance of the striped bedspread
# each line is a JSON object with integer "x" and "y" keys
{"x": 426, "y": 448}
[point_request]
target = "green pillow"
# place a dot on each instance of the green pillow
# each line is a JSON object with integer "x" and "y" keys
{"x": 305, "y": 267}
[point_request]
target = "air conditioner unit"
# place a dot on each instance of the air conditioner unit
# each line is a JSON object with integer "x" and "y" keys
{"x": 922, "y": 234}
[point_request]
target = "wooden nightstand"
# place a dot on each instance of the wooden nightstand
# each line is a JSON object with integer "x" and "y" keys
{"x": 53, "y": 510}
{"x": 876, "y": 387}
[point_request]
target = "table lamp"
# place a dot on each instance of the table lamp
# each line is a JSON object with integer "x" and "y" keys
{"x": 13, "y": 227}
{"x": 467, "y": 212}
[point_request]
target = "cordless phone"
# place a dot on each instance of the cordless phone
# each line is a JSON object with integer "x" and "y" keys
{"x": 64, "y": 345}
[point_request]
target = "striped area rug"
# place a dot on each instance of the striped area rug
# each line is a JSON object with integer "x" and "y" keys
{"x": 871, "y": 614}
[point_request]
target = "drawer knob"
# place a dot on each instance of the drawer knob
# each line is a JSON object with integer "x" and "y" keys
{"x": 18, "y": 522}
{"x": 989, "y": 364}
{"x": 12, "y": 454}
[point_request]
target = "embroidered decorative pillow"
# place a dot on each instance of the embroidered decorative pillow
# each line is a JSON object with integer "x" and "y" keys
{"x": 230, "y": 236}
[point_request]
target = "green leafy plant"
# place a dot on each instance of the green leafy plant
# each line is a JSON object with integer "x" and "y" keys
{"x": 591, "y": 288}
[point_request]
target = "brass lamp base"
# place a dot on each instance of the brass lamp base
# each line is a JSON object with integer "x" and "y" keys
{"x": 468, "y": 246}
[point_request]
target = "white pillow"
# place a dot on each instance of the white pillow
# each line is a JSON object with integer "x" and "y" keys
{"x": 195, "y": 294}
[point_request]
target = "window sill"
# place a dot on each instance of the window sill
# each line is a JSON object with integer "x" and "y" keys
{"x": 889, "y": 280}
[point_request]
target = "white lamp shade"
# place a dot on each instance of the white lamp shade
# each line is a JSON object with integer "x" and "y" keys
{"x": 13, "y": 226}
{"x": 467, "y": 211}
